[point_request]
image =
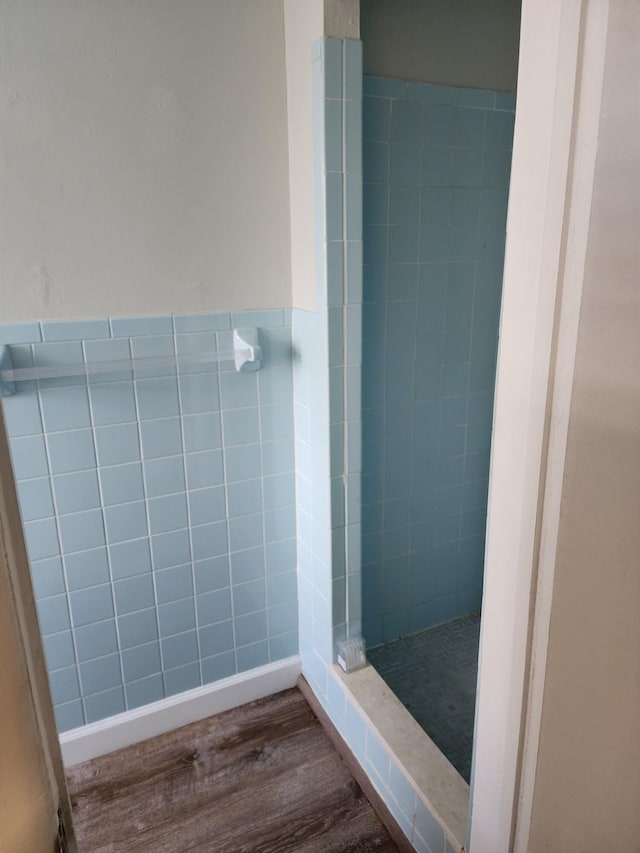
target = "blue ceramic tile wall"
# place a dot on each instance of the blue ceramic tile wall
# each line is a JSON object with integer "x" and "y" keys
{"x": 436, "y": 174}
{"x": 158, "y": 507}
{"x": 327, "y": 404}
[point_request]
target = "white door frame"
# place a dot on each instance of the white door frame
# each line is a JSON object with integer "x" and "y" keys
{"x": 559, "y": 91}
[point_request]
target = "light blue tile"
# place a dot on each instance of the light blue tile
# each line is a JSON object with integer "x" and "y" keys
{"x": 120, "y": 484}
{"x": 437, "y": 167}
{"x": 384, "y": 87}
{"x": 244, "y": 498}
{"x": 249, "y": 597}
{"x": 405, "y": 164}
{"x": 153, "y": 347}
{"x": 216, "y": 639}
{"x": 352, "y": 59}
{"x": 241, "y": 426}
{"x": 47, "y": 577}
{"x": 133, "y": 594}
{"x": 406, "y": 121}
{"x": 333, "y": 135}
{"x": 467, "y": 167}
{"x": 168, "y": 513}
{"x": 53, "y": 614}
{"x": 353, "y": 206}
{"x": 179, "y": 650}
{"x": 173, "y": 584}
{"x": 137, "y": 628}
{"x": 76, "y": 330}
{"x": 69, "y": 715}
{"x": 218, "y": 667}
{"x": 248, "y": 564}
{"x": 144, "y": 691}
{"x": 505, "y": 100}
{"x": 332, "y": 55}
{"x": 199, "y": 393}
{"x": 128, "y": 327}
{"x": 280, "y": 524}
{"x": 182, "y": 678}
{"x": 176, "y": 617}
{"x": 238, "y": 390}
{"x": 196, "y": 343}
{"x": 64, "y": 685}
{"x": 207, "y": 505}
{"x": 111, "y": 403}
{"x": 201, "y": 322}
{"x": 35, "y": 499}
{"x": 81, "y": 531}
{"x": 76, "y": 492}
{"x": 428, "y": 827}
{"x": 275, "y": 385}
{"x": 59, "y": 355}
{"x": 281, "y": 588}
{"x": 283, "y": 619}
{"x": 375, "y": 206}
{"x": 161, "y": 438}
{"x": 496, "y": 169}
{"x": 283, "y": 646}
{"x": 279, "y": 491}
{"x": 41, "y": 539}
{"x": 164, "y": 476}
{"x": 97, "y": 640}
{"x": 213, "y": 606}
{"x": 107, "y": 350}
{"x": 101, "y": 674}
{"x": 87, "y": 568}
{"x": 209, "y": 540}
{"x": 253, "y": 656}
{"x": 242, "y": 463}
{"x": 204, "y": 469}
{"x": 59, "y": 651}
{"x": 469, "y": 128}
{"x": 157, "y": 398}
{"x": 126, "y": 521}
{"x": 202, "y": 432}
{"x": 472, "y": 97}
{"x": 91, "y": 605}
{"x": 278, "y": 457}
{"x": 141, "y": 661}
{"x": 211, "y": 574}
{"x": 29, "y": 457}
{"x": 171, "y": 549}
{"x": 130, "y": 558}
{"x": 334, "y": 206}
{"x": 245, "y": 532}
{"x": 356, "y": 733}
{"x": 353, "y": 137}
{"x": 19, "y": 333}
{"x": 251, "y": 628}
{"x": 22, "y": 413}
{"x": 116, "y": 444}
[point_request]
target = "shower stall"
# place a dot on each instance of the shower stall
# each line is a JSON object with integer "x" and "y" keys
{"x": 436, "y": 165}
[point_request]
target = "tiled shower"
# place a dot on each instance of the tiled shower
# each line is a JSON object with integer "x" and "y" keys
{"x": 158, "y": 505}
{"x": 436, "y": 176}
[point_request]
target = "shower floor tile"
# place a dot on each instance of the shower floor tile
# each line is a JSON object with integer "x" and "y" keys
{"x": 433, "y": 673}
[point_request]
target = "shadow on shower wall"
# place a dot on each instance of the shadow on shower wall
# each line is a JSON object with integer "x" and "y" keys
{"x": 436, "y": 175}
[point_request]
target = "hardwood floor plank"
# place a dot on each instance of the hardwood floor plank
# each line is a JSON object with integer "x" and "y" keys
{"x": 263, "y": 778}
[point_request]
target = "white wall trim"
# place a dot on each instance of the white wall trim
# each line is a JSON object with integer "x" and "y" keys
{"x": 87, "y": 742}
{"x": 549, "y": 58}
{"x": 579, "y": 197}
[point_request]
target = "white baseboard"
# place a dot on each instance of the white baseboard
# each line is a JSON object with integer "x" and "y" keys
{"x": 121, "y": 730}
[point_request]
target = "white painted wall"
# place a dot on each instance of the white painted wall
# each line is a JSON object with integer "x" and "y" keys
{"x": 587, "y": 785}
{"x": 144, "y": 164}
{"x": 454, "y": 42}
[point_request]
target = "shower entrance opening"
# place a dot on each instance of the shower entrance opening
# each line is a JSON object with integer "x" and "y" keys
{"x": 436, "y": 173}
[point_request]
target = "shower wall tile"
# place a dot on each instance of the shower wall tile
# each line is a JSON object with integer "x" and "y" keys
{"x": 138, "y": 489}
{"x": 435, "y": 215}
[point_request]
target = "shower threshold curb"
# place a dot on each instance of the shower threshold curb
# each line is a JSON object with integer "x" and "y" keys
{"x": 434, "y": 779}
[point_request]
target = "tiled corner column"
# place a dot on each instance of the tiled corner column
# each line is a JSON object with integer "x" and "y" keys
{"x": 327, "y": 347}
{"x": 327, "y": 410}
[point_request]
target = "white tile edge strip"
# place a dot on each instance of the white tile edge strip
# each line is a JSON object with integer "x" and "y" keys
{"x": 433, "y": 777}
{"x": 87, "y": 742}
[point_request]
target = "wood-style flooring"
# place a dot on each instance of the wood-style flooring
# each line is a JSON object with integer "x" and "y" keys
{"x": 263, "y": 778}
